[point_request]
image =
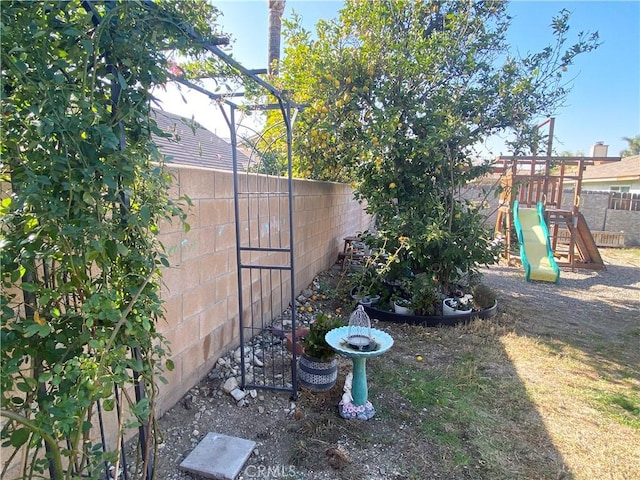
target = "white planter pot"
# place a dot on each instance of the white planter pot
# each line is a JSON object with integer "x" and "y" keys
{"x": 364, "y": 300}
{"x": 447, "y": 310}
{"x": 402, "y": 310}
{"x": 368, "y": 301}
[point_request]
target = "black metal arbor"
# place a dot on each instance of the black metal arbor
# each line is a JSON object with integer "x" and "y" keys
{"x": 263, "y": 206}
{"x": 263, "y": 211}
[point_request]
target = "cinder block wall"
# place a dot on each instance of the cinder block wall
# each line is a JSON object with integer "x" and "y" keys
{"x": 626, "y": 221}
{"x": 593, "y": 206}
{"x": 200, "y": 287}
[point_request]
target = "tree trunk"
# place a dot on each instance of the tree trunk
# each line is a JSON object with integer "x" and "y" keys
{"x": 276, "y": 9}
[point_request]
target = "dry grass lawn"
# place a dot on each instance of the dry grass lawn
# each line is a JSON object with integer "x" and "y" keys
{"x": 547, "y": 389}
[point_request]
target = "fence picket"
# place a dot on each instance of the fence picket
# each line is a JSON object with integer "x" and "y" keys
{"x": 624, "y": 201}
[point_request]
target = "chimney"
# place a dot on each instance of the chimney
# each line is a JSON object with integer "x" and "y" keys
{"x": 599, "y": 150}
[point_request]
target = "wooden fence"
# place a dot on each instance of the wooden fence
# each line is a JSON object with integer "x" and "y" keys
{"x": 624, "y": 201}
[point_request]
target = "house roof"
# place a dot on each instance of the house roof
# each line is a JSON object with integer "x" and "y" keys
{"x": 192, "y": 144}
{"x": 626, "y": 169}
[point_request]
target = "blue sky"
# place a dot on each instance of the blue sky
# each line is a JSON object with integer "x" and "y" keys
{"x": 604, "y": 103}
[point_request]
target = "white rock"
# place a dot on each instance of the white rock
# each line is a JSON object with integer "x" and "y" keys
{"x": 237, "y": 394}
{"x": 230, "y": 385}
{"x": 253, "y": 393}
{"x": 257, "y": 362}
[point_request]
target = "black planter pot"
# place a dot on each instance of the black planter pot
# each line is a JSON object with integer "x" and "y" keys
{"x": 431, "y": 321}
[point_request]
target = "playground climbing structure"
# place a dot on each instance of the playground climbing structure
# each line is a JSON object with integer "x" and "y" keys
{"x": 546, "y": 179}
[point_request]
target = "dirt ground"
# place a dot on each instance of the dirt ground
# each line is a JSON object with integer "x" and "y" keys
{"x": 518, "y": 396}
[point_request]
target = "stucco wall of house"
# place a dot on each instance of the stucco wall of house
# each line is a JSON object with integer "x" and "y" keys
{"x": 200, "y": 287}
{"x": 605, "y": 186}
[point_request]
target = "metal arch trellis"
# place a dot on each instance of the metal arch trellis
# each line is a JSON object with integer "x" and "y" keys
{"x": 256, "y": 318}
{"x": 145, "y": 442}
{"x": 264, "y": 255}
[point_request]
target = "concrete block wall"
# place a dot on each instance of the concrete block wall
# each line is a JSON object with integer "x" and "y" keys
{"x": 200, "y": 287}
{"x": 626, "y": 221}
{"x": 593, "y": 206}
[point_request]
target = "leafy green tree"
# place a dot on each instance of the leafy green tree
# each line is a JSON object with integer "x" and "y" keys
{"x": 80, "y": 258}
{"x": 633, "y": 146}
{"x": 399, "y": 93}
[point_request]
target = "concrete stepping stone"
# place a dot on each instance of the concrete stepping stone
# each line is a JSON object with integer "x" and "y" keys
{"x": 218, "y": 456}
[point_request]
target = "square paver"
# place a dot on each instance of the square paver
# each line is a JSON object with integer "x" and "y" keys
{"x": 218, "y": 456}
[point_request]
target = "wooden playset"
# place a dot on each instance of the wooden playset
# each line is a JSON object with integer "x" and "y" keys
{"x": 542, "y": 179}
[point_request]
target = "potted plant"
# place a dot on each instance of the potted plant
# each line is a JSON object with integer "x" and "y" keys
{"x": 458, "y": 304}
{"x": 401, "y": 305}
{"x": 318, "y": 367}
{"x": 484, "y": 297}
{"x": 425, "y": 298}
{"x": 367, "y": 284}
{"x": 401, "y": 298}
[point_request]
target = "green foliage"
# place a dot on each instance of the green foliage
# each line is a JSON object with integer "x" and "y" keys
{"x": 399, "y": 94}
{"x": 379, "y": 266}
{"x": 483, "y": 296}
{"x": 86, "y": 193}
{"x": 314, "y": 343}
{"x": 425, "y": 298}
{"x": 633, "y": 146}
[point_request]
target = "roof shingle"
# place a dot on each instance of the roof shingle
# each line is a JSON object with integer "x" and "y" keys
{"x": 192, "y": 144}
{"x": 626, "y": 169}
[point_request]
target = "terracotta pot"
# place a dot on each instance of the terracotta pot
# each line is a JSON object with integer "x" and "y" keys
{"x": 300, "y": 334}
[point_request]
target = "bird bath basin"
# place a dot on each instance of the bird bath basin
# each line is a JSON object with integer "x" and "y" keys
{"x": 355, "y": 404}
